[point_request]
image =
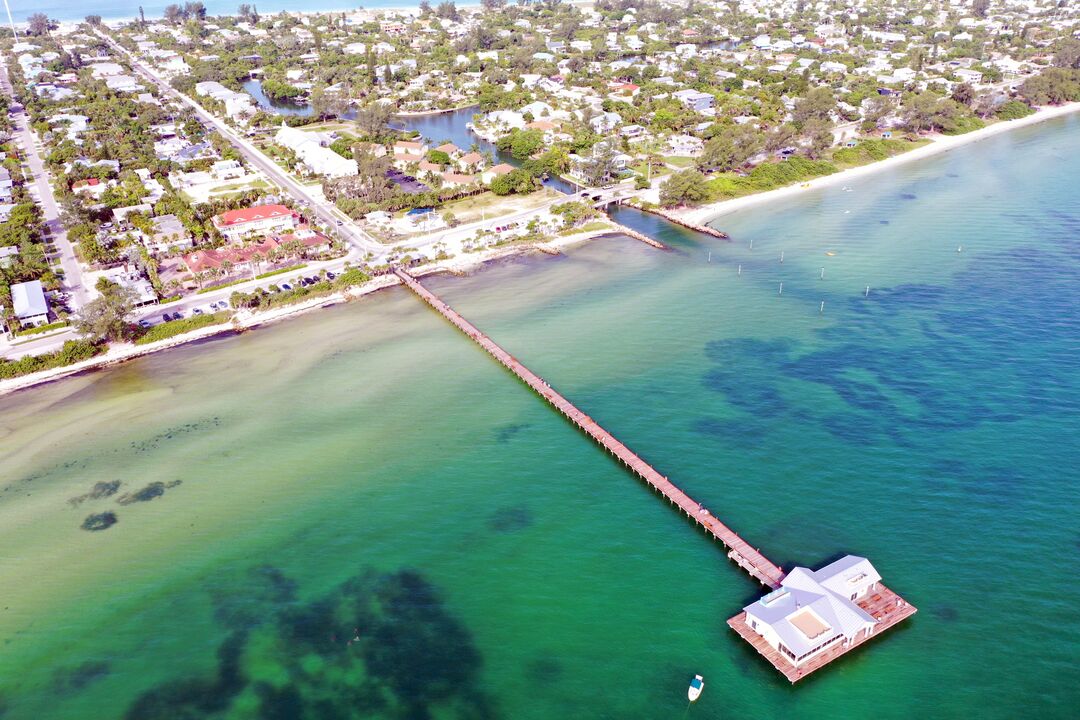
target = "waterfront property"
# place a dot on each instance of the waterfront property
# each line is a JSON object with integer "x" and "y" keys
{"x": 817, "y": 615}
{"x": 29, "y": 303}
{"x": 235, "y": 225}
{"x": 809, "y": 619}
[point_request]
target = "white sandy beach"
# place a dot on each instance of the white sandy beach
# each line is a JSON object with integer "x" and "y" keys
{"x": 941, "y": 143}
{"x": 247, "y": 319}
{"x": 464, "y": 262}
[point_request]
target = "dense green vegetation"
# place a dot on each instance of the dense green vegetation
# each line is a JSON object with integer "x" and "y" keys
{"x": 767, "y": 176}
{"x": 73, "y": 351}
{"x": 1014, "y": 110}
{"x": 172, "y": 328}
{"x": 870, "y": 150}
{"x": 260, "y": 299}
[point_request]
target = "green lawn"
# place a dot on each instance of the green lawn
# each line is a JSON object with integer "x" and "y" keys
{"x": 643, "y": 171}
{"x": 237, "y": 187}
{"x": 489, "y": 206}
{"x": 679, "y": 161}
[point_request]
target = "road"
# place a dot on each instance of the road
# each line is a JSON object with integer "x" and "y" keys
{"x": 465, "y": 231}
{"x": 324, "y": 211}
{"x": 41, "y": 190}
{"x": 362, "y": 245}
{"x": 153, "y": 313}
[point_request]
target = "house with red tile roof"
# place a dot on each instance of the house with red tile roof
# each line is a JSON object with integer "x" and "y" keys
{"x": 213, "y": 260}
{"x": 409, "y": 150}
{"x": 470, "y": 160}
{"x": 495, "y": 171}
{"x": 451, "y": 179}
{"x": 260, "y": 220}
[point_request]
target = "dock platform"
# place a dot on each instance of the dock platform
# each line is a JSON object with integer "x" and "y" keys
{"x": 883, "y": 604}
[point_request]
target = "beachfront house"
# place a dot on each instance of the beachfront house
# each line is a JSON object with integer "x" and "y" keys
{"x": 815, "y": 610}
{"x": 257, "y": 221}
{"x": 29, "y": 303}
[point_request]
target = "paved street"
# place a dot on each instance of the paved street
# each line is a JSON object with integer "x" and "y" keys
{"x": 324, "y": 211}
{"x": 362, "y": 247}
{"x": 42, "y": 192}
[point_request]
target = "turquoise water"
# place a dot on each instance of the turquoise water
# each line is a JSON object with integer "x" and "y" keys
{"x": 375, "y": 520}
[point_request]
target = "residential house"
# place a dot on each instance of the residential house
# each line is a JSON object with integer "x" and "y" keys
{"x": 685, "y": 145}
{"x": 260, "y": 220}
{"x": 495, "y": 171}
{"x": 227, "y": 170}
{"x": 130, "y": 278}
{"x": 695, "y": 99}
{"x": 90, "y": 186}
{"x": 28, "y": 301}
{"x": 168, "y": 233}
{"x": 409, "y": 151}
{"x": 309, "y": 148}
{"x": 120, "y": 215}
{"x": 470, "y": 161}
{"x": 202, "y": 261}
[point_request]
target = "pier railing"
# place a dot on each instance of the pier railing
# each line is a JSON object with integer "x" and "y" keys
{"x": 745, "y": 556}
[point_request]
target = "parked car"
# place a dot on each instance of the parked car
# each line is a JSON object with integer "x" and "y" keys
{"x": 286, "y": 286}
{"x": 166, "y": 317}
{"x": 197, "y": 311}
{"x": 330, "y": 275}
{"x": 144, "y": 324}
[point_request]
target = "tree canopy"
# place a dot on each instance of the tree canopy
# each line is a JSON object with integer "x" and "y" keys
{"x": 683, "y": 188}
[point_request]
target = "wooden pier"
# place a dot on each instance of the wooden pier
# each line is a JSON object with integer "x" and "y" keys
{"x": 745, "y": 556}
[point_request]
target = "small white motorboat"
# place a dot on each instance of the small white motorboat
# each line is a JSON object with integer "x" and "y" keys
{"x": 696, "y": 686}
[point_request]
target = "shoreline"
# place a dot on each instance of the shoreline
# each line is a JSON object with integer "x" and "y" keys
{"x": 428, "y": 113}
{"x": 704, "y": 214}
{"x": 246, "y": 320}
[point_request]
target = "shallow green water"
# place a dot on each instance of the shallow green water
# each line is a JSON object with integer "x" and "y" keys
{"x": 366, "y": 472}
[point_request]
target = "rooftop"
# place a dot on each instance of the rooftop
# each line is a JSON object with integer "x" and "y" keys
{"x": 252, "y": 214}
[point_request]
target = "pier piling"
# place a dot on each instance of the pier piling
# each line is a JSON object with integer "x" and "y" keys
{"x": 745, "y": 556}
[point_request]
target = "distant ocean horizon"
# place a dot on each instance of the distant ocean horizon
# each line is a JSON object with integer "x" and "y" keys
{"x": 116, "y": 9}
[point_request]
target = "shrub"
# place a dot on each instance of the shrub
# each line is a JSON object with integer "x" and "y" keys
{"x": 1014, "y": 110}
{"x": 178, "y": 327}
{"x": 72, "y": 352}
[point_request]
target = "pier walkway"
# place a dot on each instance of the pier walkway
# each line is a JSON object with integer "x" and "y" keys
{"x": 745, "y": 556}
